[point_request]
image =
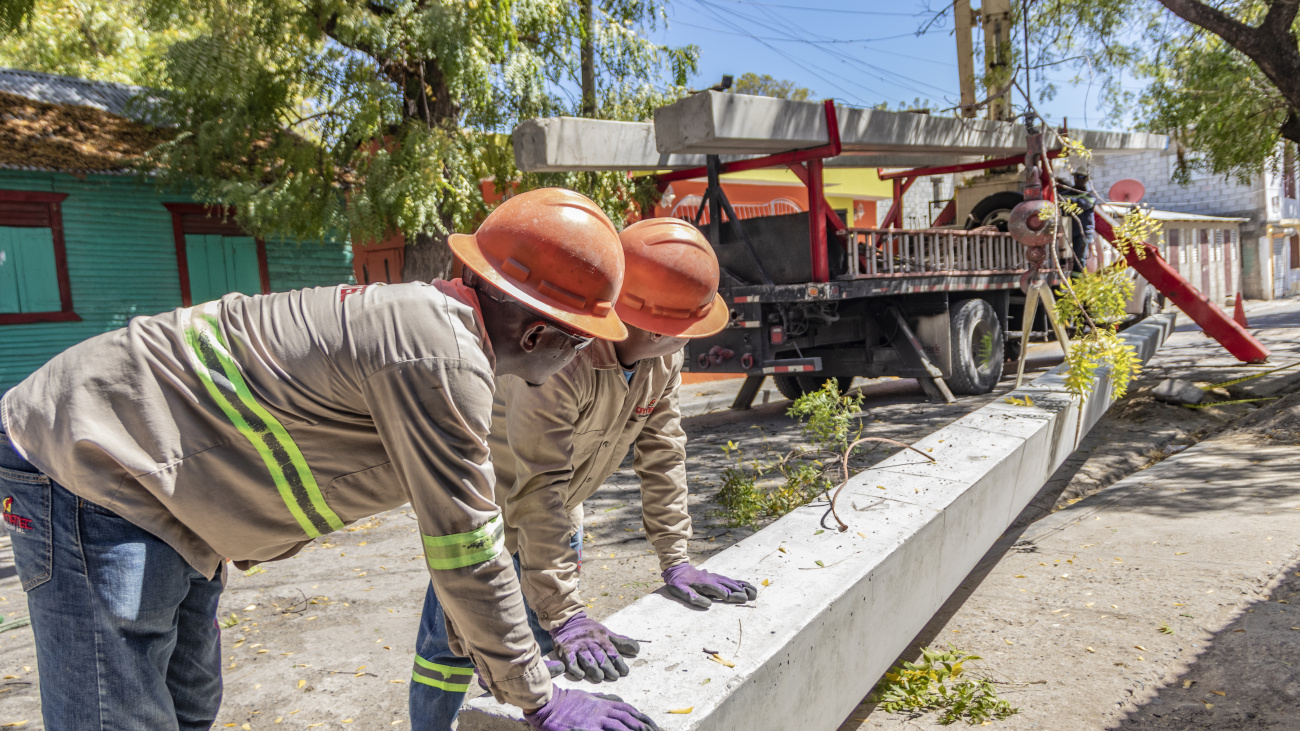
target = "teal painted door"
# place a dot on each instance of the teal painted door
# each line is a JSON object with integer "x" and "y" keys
{"x": 221, "y": 264}
{"x": 29, "y": 278}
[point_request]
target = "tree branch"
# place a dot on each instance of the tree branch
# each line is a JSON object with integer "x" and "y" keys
{"x": 1280, "y": 16}
{"x": 1212, "y": 19}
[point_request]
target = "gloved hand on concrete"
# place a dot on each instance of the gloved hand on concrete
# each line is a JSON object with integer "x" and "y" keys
{"x": 684, "y": 580}
{"x": 589, "y": 650}
{"x": 574, "y": 710}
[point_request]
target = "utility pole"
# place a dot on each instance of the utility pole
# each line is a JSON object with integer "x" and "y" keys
{"x": 588, "y": 58}
{"x": 963, "y": 21}
{"x": 996, "y": 20}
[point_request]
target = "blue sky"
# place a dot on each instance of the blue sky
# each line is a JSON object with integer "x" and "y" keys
{"x": 861, "y": 52}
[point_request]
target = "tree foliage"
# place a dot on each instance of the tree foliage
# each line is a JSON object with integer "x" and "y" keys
{"x": 765, "y": 85}
{"x": 103, "y": 40}
{"x": 1222, "y": 78}
{"x": 378, "y": 116}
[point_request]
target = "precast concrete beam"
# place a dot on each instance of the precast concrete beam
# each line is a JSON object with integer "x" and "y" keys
{"x": 835, "y": 609}
{"x": 562, "y": 144}
{"x": 714, "y": 122}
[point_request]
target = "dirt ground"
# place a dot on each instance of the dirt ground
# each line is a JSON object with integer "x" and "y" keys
{"x": 324, "y": 640}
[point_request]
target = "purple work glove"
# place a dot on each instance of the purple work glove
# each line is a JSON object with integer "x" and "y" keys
{"x": 574, "y": 710}
{"x": 683, "y": 578}
{"x": 589, "y": 650}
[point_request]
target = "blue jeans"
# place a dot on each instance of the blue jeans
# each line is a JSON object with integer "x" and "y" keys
{"x": 126, "y": 634}
{"x": 441, "y": 678}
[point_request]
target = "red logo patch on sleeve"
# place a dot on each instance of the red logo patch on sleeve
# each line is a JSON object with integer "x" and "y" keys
{"x": 348, "y": 289}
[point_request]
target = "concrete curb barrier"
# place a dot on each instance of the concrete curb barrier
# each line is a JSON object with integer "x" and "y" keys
{"x": 837, "y": 608}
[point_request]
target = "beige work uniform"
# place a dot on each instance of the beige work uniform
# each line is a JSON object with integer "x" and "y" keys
{"x": 554, "y": 445}
{"x": 244, "y": 428}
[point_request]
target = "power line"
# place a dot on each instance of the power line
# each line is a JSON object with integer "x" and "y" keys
{"x": 787, "y": 39}
{"x": 881, "y": 73}
{"x": 726, "y": 21}
{"x": 823, "y": 10}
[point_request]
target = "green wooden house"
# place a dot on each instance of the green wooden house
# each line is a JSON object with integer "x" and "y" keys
{"x": 86, "y": 243}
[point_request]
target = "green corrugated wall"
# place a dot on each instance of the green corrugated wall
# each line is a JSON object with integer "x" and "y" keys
{"x": 122, "y": 263}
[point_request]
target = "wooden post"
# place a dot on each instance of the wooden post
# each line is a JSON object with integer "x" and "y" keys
{"x": 965, "y": 56}
{"x": 588, "y": 59}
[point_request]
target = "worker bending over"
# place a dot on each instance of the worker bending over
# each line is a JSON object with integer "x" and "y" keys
{"x": 245, "y": 428}
{"x": 554, "y": 445}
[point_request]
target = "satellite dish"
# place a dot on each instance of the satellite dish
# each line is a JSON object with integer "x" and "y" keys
{"x": 1127, "y": 190}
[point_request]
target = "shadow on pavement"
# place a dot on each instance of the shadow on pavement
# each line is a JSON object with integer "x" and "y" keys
{"x": 1247, "y": 678}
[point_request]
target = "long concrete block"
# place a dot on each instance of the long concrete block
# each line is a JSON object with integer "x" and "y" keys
{"x": 837, "y": 608}
{"x": 719, "y": 123}
{"x": 562, "y": 144}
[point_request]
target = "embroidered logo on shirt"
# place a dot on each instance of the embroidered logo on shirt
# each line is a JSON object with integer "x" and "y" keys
{"x": 15, "y": 522}
{"x": 644, "y": 410}
{"x": 348, "y": 289}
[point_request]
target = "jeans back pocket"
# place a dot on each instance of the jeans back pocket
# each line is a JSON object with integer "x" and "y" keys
{"x": 25, "y": 498}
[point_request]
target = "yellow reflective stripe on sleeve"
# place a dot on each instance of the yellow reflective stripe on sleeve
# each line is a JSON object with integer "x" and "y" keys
{"x": 224, "y": 382}
{"x": 466, "y": 549}
{"x": 446, "y": 677}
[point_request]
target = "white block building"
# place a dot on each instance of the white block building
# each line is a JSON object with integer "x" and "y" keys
{"x": 1270, "y": 233}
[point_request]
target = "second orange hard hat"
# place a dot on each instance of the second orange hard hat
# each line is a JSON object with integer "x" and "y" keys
{"x": 671, "y": 281}
{"x": 555, "y": 251}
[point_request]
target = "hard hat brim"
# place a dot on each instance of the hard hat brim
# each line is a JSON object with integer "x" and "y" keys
{"x": 606, "y": 327}
{"x": 678, "y": 327}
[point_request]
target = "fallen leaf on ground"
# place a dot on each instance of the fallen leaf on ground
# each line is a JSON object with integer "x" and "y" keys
{"x": 1089, "y": 649}
{"x": 1009, "y": 642}
{"x": 1140, "y": 647}
{"x": 765, "y": 582}
{"x": 715, "y": 657}
{"x": 1219, "y": 692}
{"x": 688, "y": 709}
{"x": 1188, "y": 683}
{"x": 14, "y": 724}
{"x": 301, "y": 683}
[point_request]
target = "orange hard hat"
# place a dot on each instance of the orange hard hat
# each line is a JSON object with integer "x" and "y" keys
{"x": 555, "y": 251}
{"x": 671, "y": 287}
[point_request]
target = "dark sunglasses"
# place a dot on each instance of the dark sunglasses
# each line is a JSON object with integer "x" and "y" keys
{"x": 579, "y": 340}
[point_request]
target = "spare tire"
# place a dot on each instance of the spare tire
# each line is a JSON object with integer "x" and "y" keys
{"x": 994, "y": 210}
{"x": 977, "y": 347}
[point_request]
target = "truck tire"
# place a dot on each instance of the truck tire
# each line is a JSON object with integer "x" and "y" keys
{"x": 977, "y": 347}
{"x": 792, "y": 387}
{"x": 994, "y": 210}
{"x": 1151, "y": 304}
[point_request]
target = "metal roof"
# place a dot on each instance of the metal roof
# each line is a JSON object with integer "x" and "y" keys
{"x": 1122, "y": 208}
{"x": 54, "y": 89}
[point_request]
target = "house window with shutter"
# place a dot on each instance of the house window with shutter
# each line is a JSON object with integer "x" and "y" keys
{"x": 214, "y": 256}
{"x": 34, "y": 285}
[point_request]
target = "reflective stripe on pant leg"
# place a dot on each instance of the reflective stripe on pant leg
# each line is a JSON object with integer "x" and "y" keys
{"x": 466, "y": 549}
{"x": 445, "y": 677}
{"x": 433, "y": 707}
{"x": 210, "y": 358}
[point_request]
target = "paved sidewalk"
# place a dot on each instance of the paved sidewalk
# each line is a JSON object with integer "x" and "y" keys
{"x": 1166, "y": 601}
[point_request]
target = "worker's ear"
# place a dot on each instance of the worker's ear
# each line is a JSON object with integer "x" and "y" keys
{"x": 531, "y": 339}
